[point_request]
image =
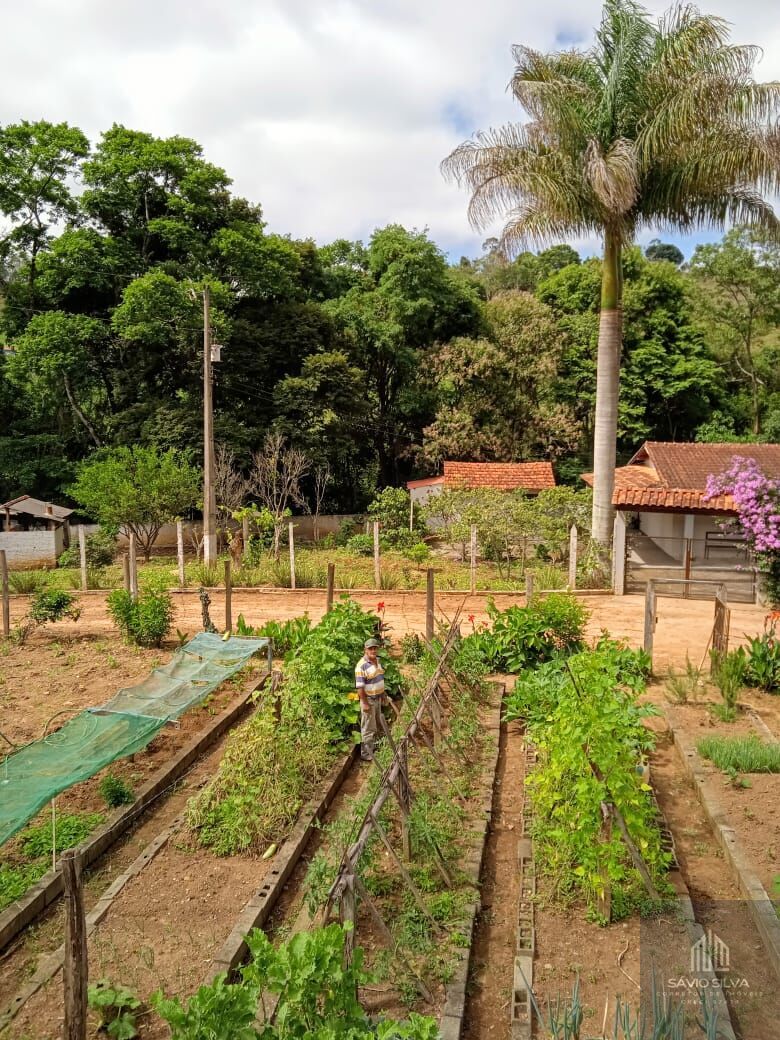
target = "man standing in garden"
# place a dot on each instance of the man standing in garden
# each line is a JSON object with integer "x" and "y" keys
{"x": 370, "y": 684}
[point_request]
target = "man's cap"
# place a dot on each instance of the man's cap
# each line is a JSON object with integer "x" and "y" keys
{"x": 371, "y": 642}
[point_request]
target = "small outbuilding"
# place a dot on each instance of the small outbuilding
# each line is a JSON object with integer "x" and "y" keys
{"x": 33, "y": 533}
{"x": 531, "y": 477}
{"x": 668, "y": 525}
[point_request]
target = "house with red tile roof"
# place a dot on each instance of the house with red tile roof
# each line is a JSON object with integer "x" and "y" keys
{"x": 531, "y": 477}
{"x": 671, "y": 525}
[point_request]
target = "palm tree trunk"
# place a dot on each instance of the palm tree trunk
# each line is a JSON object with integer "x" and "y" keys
{"x": 607, "y": 383}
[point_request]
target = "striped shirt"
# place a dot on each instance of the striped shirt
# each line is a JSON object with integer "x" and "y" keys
{"x": 369, "y": 678}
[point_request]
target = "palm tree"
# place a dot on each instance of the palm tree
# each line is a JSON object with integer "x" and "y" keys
{"x": 658, "y": 124}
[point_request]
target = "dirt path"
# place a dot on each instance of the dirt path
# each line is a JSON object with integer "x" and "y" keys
{"x": 753, "y": 1007}
{"x": 683, "y": 627}
{"x": 493, "y": 952}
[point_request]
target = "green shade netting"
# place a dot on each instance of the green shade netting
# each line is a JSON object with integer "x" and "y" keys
{"x": 33, "y": 775}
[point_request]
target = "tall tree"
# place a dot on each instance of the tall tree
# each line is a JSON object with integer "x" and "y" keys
{"x": 739, "y": 307}
{"x": 37, "y": 161}
{"x": 657, "y": 123}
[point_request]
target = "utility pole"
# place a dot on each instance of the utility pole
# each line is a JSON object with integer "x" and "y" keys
{"x": 209, "y": 498}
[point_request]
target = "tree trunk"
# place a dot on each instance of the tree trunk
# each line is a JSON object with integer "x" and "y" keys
{"x": 607, "y": 385}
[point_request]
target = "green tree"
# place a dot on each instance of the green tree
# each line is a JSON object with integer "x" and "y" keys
{"x": 658, "y": 250}
{"x": 658, "y": 123}
{"x": 137, "y": 490}
{"x": 56, "y": 361}
{"x": 496, "y": 393}
{"x": 738, "y": 305}
{"x": 37, "y": 161}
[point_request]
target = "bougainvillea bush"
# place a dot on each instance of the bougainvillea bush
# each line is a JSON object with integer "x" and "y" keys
{"x": 757, "y": 498}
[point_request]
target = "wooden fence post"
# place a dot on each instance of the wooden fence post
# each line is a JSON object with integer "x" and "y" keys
{"x": 619, "y": 555}
{"x": 228, "y": 597}
{"x": 126, "y": 571}
{"x": 75, "y": 971}
{"x": 529, "y": 588}
{"x": 245, "y": 535}
{"x": 5, "y": 595}
{"x": 411, "y": 513}
{"x": 83, "y": 557}
{"x": 649, "y": 620}
{"x": 331, "y": 586}
{"x": 291, "y": 540}
{"x": 180, "y": 551}
{"x": 429, "y": 606}
{"x": 133, "y": 568}
{"x": 377, "y": 571}
{"x": 473, "y": 561}
{"x": 573, "y": 557}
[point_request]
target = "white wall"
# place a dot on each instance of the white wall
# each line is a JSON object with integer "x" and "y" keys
{"x": 666, "y": 530}
{"x": 32, "y": 548}
{"x": 420, "y": 495}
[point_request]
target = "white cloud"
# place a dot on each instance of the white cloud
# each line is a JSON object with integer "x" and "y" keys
{"x": 334, "y": 116}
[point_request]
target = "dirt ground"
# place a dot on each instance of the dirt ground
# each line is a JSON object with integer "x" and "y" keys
{"x": 683, "y": 626}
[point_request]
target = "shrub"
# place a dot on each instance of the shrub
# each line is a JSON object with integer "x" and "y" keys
{"x": 287, "y": 636}
{"x": 115, "y": 791}
{"x": 762, "y": 667}
{"x": 27, "y": 582}
{"x": 728, "y": 674}
{"x": 412, "y": 648}
{"x": 361, "y": 545}
{"x": 145, "y": 621}
{"x": 522, "y": 637}
{"x": 100, "y": 550}
{"x": 207, "y": 575}
{"x": 53, "y": 605}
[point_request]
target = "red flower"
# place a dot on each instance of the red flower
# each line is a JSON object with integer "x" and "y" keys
{"x": 471, "y": 618}
{"x": 380, "y": 607}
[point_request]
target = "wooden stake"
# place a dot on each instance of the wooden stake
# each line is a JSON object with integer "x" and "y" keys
{"x": 573, "y": 557}
{"x": 429, "y": 604}
{"x": 416, "y": 894}
{"x": 529, "y": 588}
{"x": 75, "y": 969}
{"x": 605, "y": 896}
{"x": 330, "y": 588}
{"x": 180, "y": 551}
{"x": 83, "y": 557}
{"x": 377, "y": 571}
{"x": 245, "y": 535}
{"x": 5, "y": 594}
{"x": 649, "y": 620}
{"x": 126, "y": 571}
{"x": 291, "y": 540}
{"x": 473, "y": 560}
{"x": 133, "y": 568}
{"x": 228, "y": 597}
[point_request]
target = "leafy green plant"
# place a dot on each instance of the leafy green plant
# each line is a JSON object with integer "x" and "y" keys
{"x": 287, "y": 636}
{"x": 418, "y": 553}
{"x": 317, "y": 996}
{"x": 205, "y": 575}
{"x": 412, "y": 648}
{"x": 523, "y": 637}
{"x": 763, "y": 661}
{"x": 361, "y": 545}
{"x": 100, "y": 550}
{"x": 683, "y": 686}
{"x": 47, "y": 605}
{"x": 741, "y": 754}
{"x": 27, "y": 582}
{"x": 116, "y": 1006}
{"x": 115, "y": 791}
{"x": 580, "y": 716}
{"x": 728, "y": 673}
{"x": 145, "y": 621}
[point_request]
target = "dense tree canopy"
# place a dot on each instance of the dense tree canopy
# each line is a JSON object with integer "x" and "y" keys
{"x": 377, "y": 359}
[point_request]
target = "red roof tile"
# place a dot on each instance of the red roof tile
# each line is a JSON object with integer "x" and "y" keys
{"x": 684, "y": 465}
{"x": 501, "y": 476}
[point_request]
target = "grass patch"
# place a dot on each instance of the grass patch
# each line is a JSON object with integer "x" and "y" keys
{"x": 741, "y": 754}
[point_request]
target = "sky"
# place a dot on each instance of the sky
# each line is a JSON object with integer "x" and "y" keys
{"x": 332, "y": 114}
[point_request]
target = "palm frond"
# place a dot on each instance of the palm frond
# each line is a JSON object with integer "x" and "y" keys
{"x": 613, "y": 175}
